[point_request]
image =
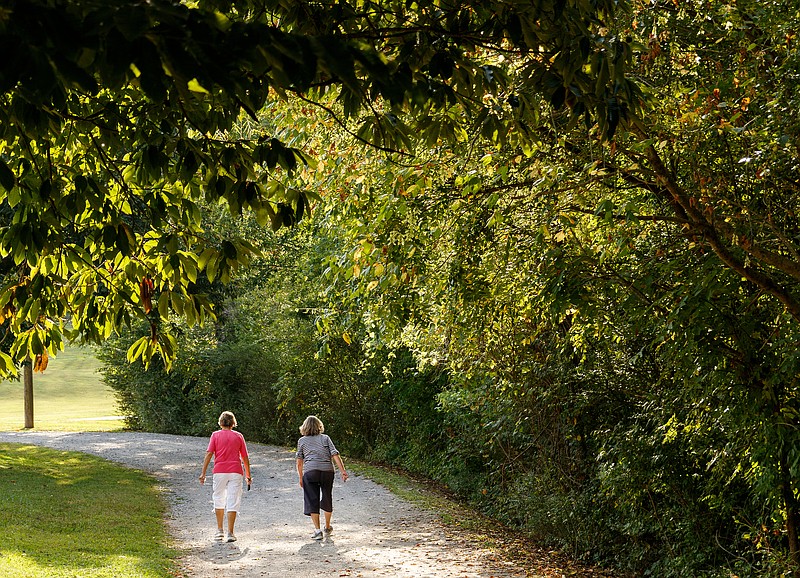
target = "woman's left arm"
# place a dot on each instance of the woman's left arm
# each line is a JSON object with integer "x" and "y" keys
{"x": 246, "y": 462}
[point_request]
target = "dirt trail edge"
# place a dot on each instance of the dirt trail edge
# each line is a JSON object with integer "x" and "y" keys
{"x": 375, "y": 533}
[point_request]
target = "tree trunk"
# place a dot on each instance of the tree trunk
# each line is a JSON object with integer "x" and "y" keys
{"x": 792, "y": 515}
{"x": 28, "y": 393}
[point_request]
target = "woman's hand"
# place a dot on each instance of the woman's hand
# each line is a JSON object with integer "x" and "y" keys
{"x": 344, "y": 476}
{"x": 202, "y": 478}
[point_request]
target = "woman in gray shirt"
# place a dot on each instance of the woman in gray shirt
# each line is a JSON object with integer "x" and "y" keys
{"x": 315, "y": 457}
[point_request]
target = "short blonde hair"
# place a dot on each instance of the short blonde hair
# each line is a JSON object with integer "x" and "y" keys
{"x": 227, "y": 419}
{"x": 312, "y": 426}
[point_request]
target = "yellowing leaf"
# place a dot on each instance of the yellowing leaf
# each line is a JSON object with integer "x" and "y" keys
{"x": 195, "y": 86}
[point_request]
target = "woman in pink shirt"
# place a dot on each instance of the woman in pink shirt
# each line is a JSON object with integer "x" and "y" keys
{"x": 229, "y": 451}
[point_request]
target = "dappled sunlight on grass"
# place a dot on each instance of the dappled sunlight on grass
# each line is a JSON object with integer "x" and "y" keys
{"x": 67, "y": 514}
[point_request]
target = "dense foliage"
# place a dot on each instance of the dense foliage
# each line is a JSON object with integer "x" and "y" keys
{"x": 116, "y": 118}
{"x": 562, "y": 278}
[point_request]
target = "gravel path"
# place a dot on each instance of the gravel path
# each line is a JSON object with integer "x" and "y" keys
{"x": 375, "y": 533}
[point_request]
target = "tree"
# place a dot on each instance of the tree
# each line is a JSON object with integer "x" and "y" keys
{"x": 714, "y": 151}
{"x": 116, "y": 121}
{"x": 684, "y": 215}
{"x": 615, "y": 134}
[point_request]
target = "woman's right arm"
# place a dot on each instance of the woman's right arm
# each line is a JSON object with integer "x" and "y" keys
{"x": 300, "y": 470}
{"x": 206, "y": 461}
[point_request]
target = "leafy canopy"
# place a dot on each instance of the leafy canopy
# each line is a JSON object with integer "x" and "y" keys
{"x": 116, "y": 129}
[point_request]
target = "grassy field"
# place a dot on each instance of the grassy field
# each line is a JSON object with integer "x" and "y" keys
{"x": 52, "y": 526}
{"x": 68, "y": 396}
{"x": 50, "y": 521}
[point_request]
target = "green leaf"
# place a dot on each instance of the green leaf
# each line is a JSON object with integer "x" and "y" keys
{"x": 205, "y": 257}
{"x": 189, "y": 266}
{"x": 163, "y": 304}
{"x": 275, "y": 218}
{"x": 137, "y": 350}
{"x": 125, "y": 239}
{"x": 212, "y": 267}
{"x": 7, "y": 178}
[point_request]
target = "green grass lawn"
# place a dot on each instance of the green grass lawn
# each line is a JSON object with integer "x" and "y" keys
{"x": 70, "y": 515}
{"x": 68, "y": 396}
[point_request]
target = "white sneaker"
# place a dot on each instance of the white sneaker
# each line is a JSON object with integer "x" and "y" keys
{"x": 317, "y": 535}
{"x": 231, "y": 538}
{"x": 219, "y": 535}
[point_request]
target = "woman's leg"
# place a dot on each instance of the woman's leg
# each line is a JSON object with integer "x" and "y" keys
{"x": 311, "y": 493}
{"x": 326, "y": 503}
{"x": 311, "y": 490}
{"x": 219, "y": 501}
{"x": 233, "y": 501}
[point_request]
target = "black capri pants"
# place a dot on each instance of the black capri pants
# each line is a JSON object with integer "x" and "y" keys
{"x": 316, "y": 483}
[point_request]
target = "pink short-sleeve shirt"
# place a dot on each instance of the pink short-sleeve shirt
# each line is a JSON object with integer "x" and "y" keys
{"x": 228, "y": 448}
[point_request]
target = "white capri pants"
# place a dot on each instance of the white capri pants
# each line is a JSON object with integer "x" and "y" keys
{"x": 227, "y": 491}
